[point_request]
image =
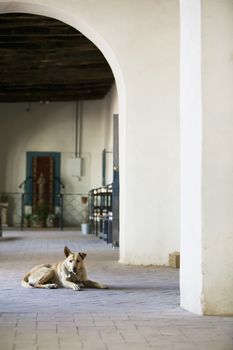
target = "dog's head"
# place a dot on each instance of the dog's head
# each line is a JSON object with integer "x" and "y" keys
{"x": 74, "y": 261}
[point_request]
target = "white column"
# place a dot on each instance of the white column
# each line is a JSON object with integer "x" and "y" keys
{"x": 206, "y": 280}
{"x": 217, "y": 68}
{"x": 191, "y": 155}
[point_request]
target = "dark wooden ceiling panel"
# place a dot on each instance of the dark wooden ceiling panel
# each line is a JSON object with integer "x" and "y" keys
{"x": 42, "y": 59}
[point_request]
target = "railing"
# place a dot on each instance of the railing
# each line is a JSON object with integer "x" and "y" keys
{"x": 68, "y": 207}
{"x": 100, "y": 212}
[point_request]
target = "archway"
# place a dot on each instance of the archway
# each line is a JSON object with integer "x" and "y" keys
{"x": 77, "y": 23}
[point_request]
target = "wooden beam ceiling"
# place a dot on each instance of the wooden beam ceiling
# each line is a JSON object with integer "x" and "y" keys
{"x": 42, "y": 59}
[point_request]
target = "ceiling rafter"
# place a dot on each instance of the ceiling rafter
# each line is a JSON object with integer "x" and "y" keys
{"x": 44, "y": 59}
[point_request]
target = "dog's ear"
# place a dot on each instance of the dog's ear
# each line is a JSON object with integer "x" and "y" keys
{"x": 67, "y": 252}
{"x": 83, "y": 255}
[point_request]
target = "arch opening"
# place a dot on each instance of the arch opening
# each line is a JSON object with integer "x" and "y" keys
{"x": 75, "y": 21}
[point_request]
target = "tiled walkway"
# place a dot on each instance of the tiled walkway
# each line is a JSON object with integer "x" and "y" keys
{"x": 139, "y": 311}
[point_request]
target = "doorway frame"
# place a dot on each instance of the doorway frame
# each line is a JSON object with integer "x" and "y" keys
{"x": 57, "y": 173}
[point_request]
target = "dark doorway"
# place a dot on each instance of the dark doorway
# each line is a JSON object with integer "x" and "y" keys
{"x": 116, "y": 184}
{"x": 43, "y": 179}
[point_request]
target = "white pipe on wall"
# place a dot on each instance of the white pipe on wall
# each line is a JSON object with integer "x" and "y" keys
{"x": 78, "y": 123}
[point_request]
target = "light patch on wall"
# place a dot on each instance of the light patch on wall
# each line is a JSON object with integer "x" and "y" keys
{"x": 74, "y": 167}
{"x": 76, "y": 179}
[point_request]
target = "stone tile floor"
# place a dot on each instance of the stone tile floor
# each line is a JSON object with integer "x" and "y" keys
{"x": 139, "y": 311}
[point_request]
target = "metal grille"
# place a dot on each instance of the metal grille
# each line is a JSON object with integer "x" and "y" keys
{"x": 72, "y": 209}
{"x": 72, "y": 212}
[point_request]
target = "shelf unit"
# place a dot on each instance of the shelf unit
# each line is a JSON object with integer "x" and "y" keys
{"x": 100, "y": 212}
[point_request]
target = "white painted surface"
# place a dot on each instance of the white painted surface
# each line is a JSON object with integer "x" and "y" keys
{"x": 206, "y": 156}
{"x": 140, "y": 41}
{"x": 191, "y": 156}
{"x": 111, "y": 109}
{"x": 218, "y": 157}
{"x": 150, "y": 176}
{"x": 51, "y": 127}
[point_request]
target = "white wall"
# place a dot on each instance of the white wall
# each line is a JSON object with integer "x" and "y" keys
{"x": 111, "y": 109}
{"x": 100, "y": 128}
{"x": 51, "y": 127}
{"x": 93, "y": 130}
{"x": 150, "y": 187}
{"x": 141, "y": 42}
{"x": 46, "y": 127}
{"x": 217, "y": 24}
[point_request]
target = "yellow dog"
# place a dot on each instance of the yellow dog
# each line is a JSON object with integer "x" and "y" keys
{"x": 69, "y": 273}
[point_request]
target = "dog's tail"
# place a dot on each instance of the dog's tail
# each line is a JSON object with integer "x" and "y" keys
{"x": 24, "y": 282}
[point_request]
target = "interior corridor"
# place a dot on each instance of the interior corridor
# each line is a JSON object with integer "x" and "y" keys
{"x": 139, "y": 311}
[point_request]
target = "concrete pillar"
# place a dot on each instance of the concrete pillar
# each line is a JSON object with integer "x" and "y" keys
{"x": 206, "y": 156}
{"x": 191, "y": 156}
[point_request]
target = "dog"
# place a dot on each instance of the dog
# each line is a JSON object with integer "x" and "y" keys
{"x": 69, "y": 273}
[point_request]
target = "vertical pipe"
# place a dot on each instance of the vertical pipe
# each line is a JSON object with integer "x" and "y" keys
{"x": 22, "y": 211}
{"x": 0, "y": 221}
{"x": 104, "y": 167}
{"x": 61, "y": 217}
{"x": 78, "y": 116}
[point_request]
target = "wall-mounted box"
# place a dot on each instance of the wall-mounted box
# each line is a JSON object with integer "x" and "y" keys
{"x": 74, "y": 166}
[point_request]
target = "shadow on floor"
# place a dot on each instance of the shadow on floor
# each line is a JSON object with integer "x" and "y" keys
{"x": 7, "y": 239}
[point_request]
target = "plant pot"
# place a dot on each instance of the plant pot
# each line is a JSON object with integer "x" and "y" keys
{"x": 50, "y": 220}
{"x": 85, "y": 228}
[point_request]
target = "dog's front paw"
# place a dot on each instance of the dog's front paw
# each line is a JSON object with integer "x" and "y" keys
{"x": 103, "y": 286}
{"x": 52, "y": 286}
{"x": 76, "y": 287}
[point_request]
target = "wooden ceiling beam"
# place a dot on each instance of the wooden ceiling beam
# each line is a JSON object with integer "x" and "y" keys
{"x": 56, "y": 87}
{"x": 43, "y": 44}
{"x": 50, "y": 77}
{"x": 75, "y": 54}
{"x": 69, "y": 96}
{"x": 22, "y": 93}
{"x": 41, "y": 57}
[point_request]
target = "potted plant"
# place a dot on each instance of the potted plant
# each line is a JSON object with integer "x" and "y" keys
{"x": 57, "y": 219}
{"x": 50, "y": 220}
{"x": 35, "y": 221}
{"x": 39, "y": 216}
